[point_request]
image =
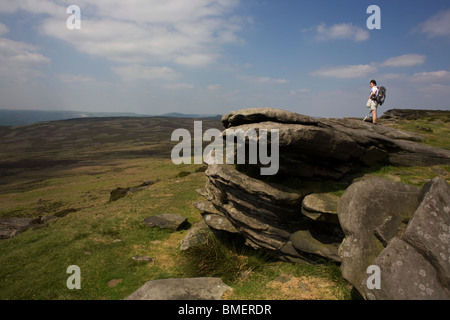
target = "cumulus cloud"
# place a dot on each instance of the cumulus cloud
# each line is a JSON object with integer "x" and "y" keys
{"x": 3, "y": 29}
{"x": 346, "y": 72}
{"x": 260, "y": 80}
{"x": 300, "y": 91}
{"x": 437, "y": 25}
{"x": 213, "y": 87}
{"x": 136, "y": 72}
{"x": 71, "y": 79}
{"x": 342, "y": 31}
{"x": 364, "y": 70}
{"x": 177, "y": 85}
{"x": 436, "y": 89}
{"x": 136, "y": 31}
{"x": 407, "y": 60}
{"x": 196, "y": 59}
{"x": 48, "y": 7}
{"x": 19, "y": 60}
{"x": 433, "y": 76}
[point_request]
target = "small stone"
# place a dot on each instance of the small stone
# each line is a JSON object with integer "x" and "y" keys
{"x": 181, "y": 289}
{"x": 166, "y": 221}
{"x": 195, "y": 236}
{"x": 142, "y": 258}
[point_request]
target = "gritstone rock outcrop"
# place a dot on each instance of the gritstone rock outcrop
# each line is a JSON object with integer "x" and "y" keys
{"x": 299, "y": 225}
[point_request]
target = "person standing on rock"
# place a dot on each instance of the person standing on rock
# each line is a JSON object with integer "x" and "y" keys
{"x": 372, "y": 102}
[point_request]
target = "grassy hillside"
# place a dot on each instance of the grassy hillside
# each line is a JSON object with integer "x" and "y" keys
{"x": 69, "y": 168}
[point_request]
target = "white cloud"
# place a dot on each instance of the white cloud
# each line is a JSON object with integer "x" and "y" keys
{"x": 364, "y": 70}
{"x": 436, "y": 89}
{"x": 300, "y": 91}
{"x": 433, "y": 76}
{"x": 160, "y": 12}
{"x": 342, "y": 31}
{"x": 194, "y": 60}
{"x": 420, "y": 78}
{"x": 177, "y": 85}
{"x": 70, "y": 78}
{"x": 137, "y": 72}
{"x": 437, "y": 26}
{"x": 144, "y": 31}
{"x": 260, "y": 80}
{"x": 19, "y": 60}
{"x": 395, "y": 76}
{"x": 213, "y": 87}
{"x": 406, "y": 60}
{"x": 48, "y": 7}
{"x": 346, "y": 72}
{"x": 3, "y": 29}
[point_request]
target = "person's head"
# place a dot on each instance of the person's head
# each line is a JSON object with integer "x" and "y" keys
{"x": 373, "y": 83}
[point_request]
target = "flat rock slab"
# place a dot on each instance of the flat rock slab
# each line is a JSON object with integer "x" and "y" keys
{"x": 11, "y": 227}
{"x": 166, "y": 221}
{"x": 142, "y": 258}
{"x": 219, "y": 222}
{"x": 330, "y": 143}
{"x": 213, "y": 218}
{"x": 321, "y": 207}
{"x": 305, "y": 242}
{"x": 321, "y": 202}
{"x": 181, "y": 289}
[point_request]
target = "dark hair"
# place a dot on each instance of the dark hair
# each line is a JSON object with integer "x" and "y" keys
{"x": 373, "y": 81}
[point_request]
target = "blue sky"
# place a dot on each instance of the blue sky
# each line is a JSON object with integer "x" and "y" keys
{"x": 215, "y": 56}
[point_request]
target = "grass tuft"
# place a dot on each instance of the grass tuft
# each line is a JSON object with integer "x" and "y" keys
{"x": 230, "y": 261}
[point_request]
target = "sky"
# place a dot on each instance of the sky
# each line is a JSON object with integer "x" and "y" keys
{"x": 312, "y": 57}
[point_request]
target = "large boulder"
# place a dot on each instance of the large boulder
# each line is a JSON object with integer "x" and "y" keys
{"x": 406, "y": 275}
{"x": 364, "y": 207}
{"x": 416, "y": 264}
{"x": 280, "y": 214}
{"x": 429, "y": 229}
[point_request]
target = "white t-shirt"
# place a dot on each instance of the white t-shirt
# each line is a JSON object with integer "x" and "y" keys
{"x": 374, "y": 89}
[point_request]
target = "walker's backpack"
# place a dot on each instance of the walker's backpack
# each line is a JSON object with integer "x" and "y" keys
{"x": 381, "y": 95}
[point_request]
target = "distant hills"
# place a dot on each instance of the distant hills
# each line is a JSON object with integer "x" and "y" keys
{"x": 189, "y": 115}
{"x": 22, "y": 117}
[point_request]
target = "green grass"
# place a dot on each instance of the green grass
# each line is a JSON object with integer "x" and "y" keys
{"x": 416, "y": 176}
{"x": 251, "y": 273}
{"x": 266, "y": 284}
{"x": 435, "y": 131}
{"x": 101, "y": 237}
